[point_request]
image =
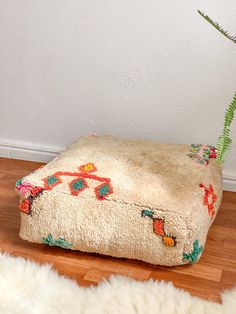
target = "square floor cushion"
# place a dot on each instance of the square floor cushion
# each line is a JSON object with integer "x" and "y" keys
{"x": 125, "y": 198}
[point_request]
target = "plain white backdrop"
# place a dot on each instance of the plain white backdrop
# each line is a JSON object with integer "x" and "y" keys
{"x": 151, "y": 69}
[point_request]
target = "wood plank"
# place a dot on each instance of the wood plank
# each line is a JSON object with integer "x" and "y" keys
{"x": 97, "y": 275}
{"x": 228, "y": 279}
{"x": 197, "y": 270}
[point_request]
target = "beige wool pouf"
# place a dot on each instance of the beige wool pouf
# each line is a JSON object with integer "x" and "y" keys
{"x": 125, "y": 198}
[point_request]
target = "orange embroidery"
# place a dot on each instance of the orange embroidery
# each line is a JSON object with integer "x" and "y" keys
{"x": 168, "y": 240}
{"x": 89, "y": 167}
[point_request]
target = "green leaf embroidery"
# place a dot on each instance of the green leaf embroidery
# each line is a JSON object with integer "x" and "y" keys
{"x": 58, "y": 242}
{"x": 193, "y": 256}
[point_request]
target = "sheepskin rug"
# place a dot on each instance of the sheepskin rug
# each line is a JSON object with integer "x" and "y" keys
{"x": 26, "y": 287}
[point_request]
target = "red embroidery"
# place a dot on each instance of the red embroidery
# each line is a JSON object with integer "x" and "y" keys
{"x": 25, "y": 206}
{"x": 213, "y": 152}
{"x": 78, "y": 184}
{"x": 209, "y": 199}
{"x": 36, "y": 191}
{"x": 158, "y": 226}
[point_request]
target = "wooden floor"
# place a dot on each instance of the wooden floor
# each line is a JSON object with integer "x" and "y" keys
{"x": 215, "y": 271}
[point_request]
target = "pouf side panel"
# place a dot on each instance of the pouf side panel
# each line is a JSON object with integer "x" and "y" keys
{"x": 109, "y": 228}
{"x": 204, "y": 210}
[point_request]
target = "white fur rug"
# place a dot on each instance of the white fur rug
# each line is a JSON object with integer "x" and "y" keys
{"x": 27, "y": 288}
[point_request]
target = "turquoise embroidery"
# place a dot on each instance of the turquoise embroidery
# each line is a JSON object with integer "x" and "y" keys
{"x": 147, "y": 213}
{"x": 52, "y": 180}
{"x": 59, "y": 242}
{"x": 103, "y": 190}
{"x": 78, "y": 185}
{"x": 18, "y": 182}
{"x": 193, "y": 256}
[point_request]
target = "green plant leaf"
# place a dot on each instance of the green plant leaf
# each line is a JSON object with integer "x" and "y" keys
{"x": 218, "y": 27}
{"x": 224, "y": 141}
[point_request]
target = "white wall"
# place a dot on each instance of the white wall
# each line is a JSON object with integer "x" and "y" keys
{"x": 152, "y": 69}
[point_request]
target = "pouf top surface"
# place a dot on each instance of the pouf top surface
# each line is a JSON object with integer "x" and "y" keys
{"x": 140, "y": 172}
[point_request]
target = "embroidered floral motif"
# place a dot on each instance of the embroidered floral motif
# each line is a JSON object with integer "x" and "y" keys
{"x": 158, "y": 228}
{"x": 24, "y": 188}
{"x": 194, "y": 255}
{"x": 202, "y": 153}
{"x": 57, "y": 242}
{"x": 209, "y": 199}
{"x": 79, "y": 183}
{"x": 29, "y": 192}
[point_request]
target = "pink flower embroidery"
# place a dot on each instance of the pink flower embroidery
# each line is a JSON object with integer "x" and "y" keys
{"x": 25, "y": 189}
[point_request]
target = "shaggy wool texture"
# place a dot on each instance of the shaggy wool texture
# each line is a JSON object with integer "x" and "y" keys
{"x": 27, "y": 287}
{"x": 125, "y": 198}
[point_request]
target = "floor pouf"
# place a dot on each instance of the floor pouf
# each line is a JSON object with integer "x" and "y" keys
{"x": 125, "y": 198}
